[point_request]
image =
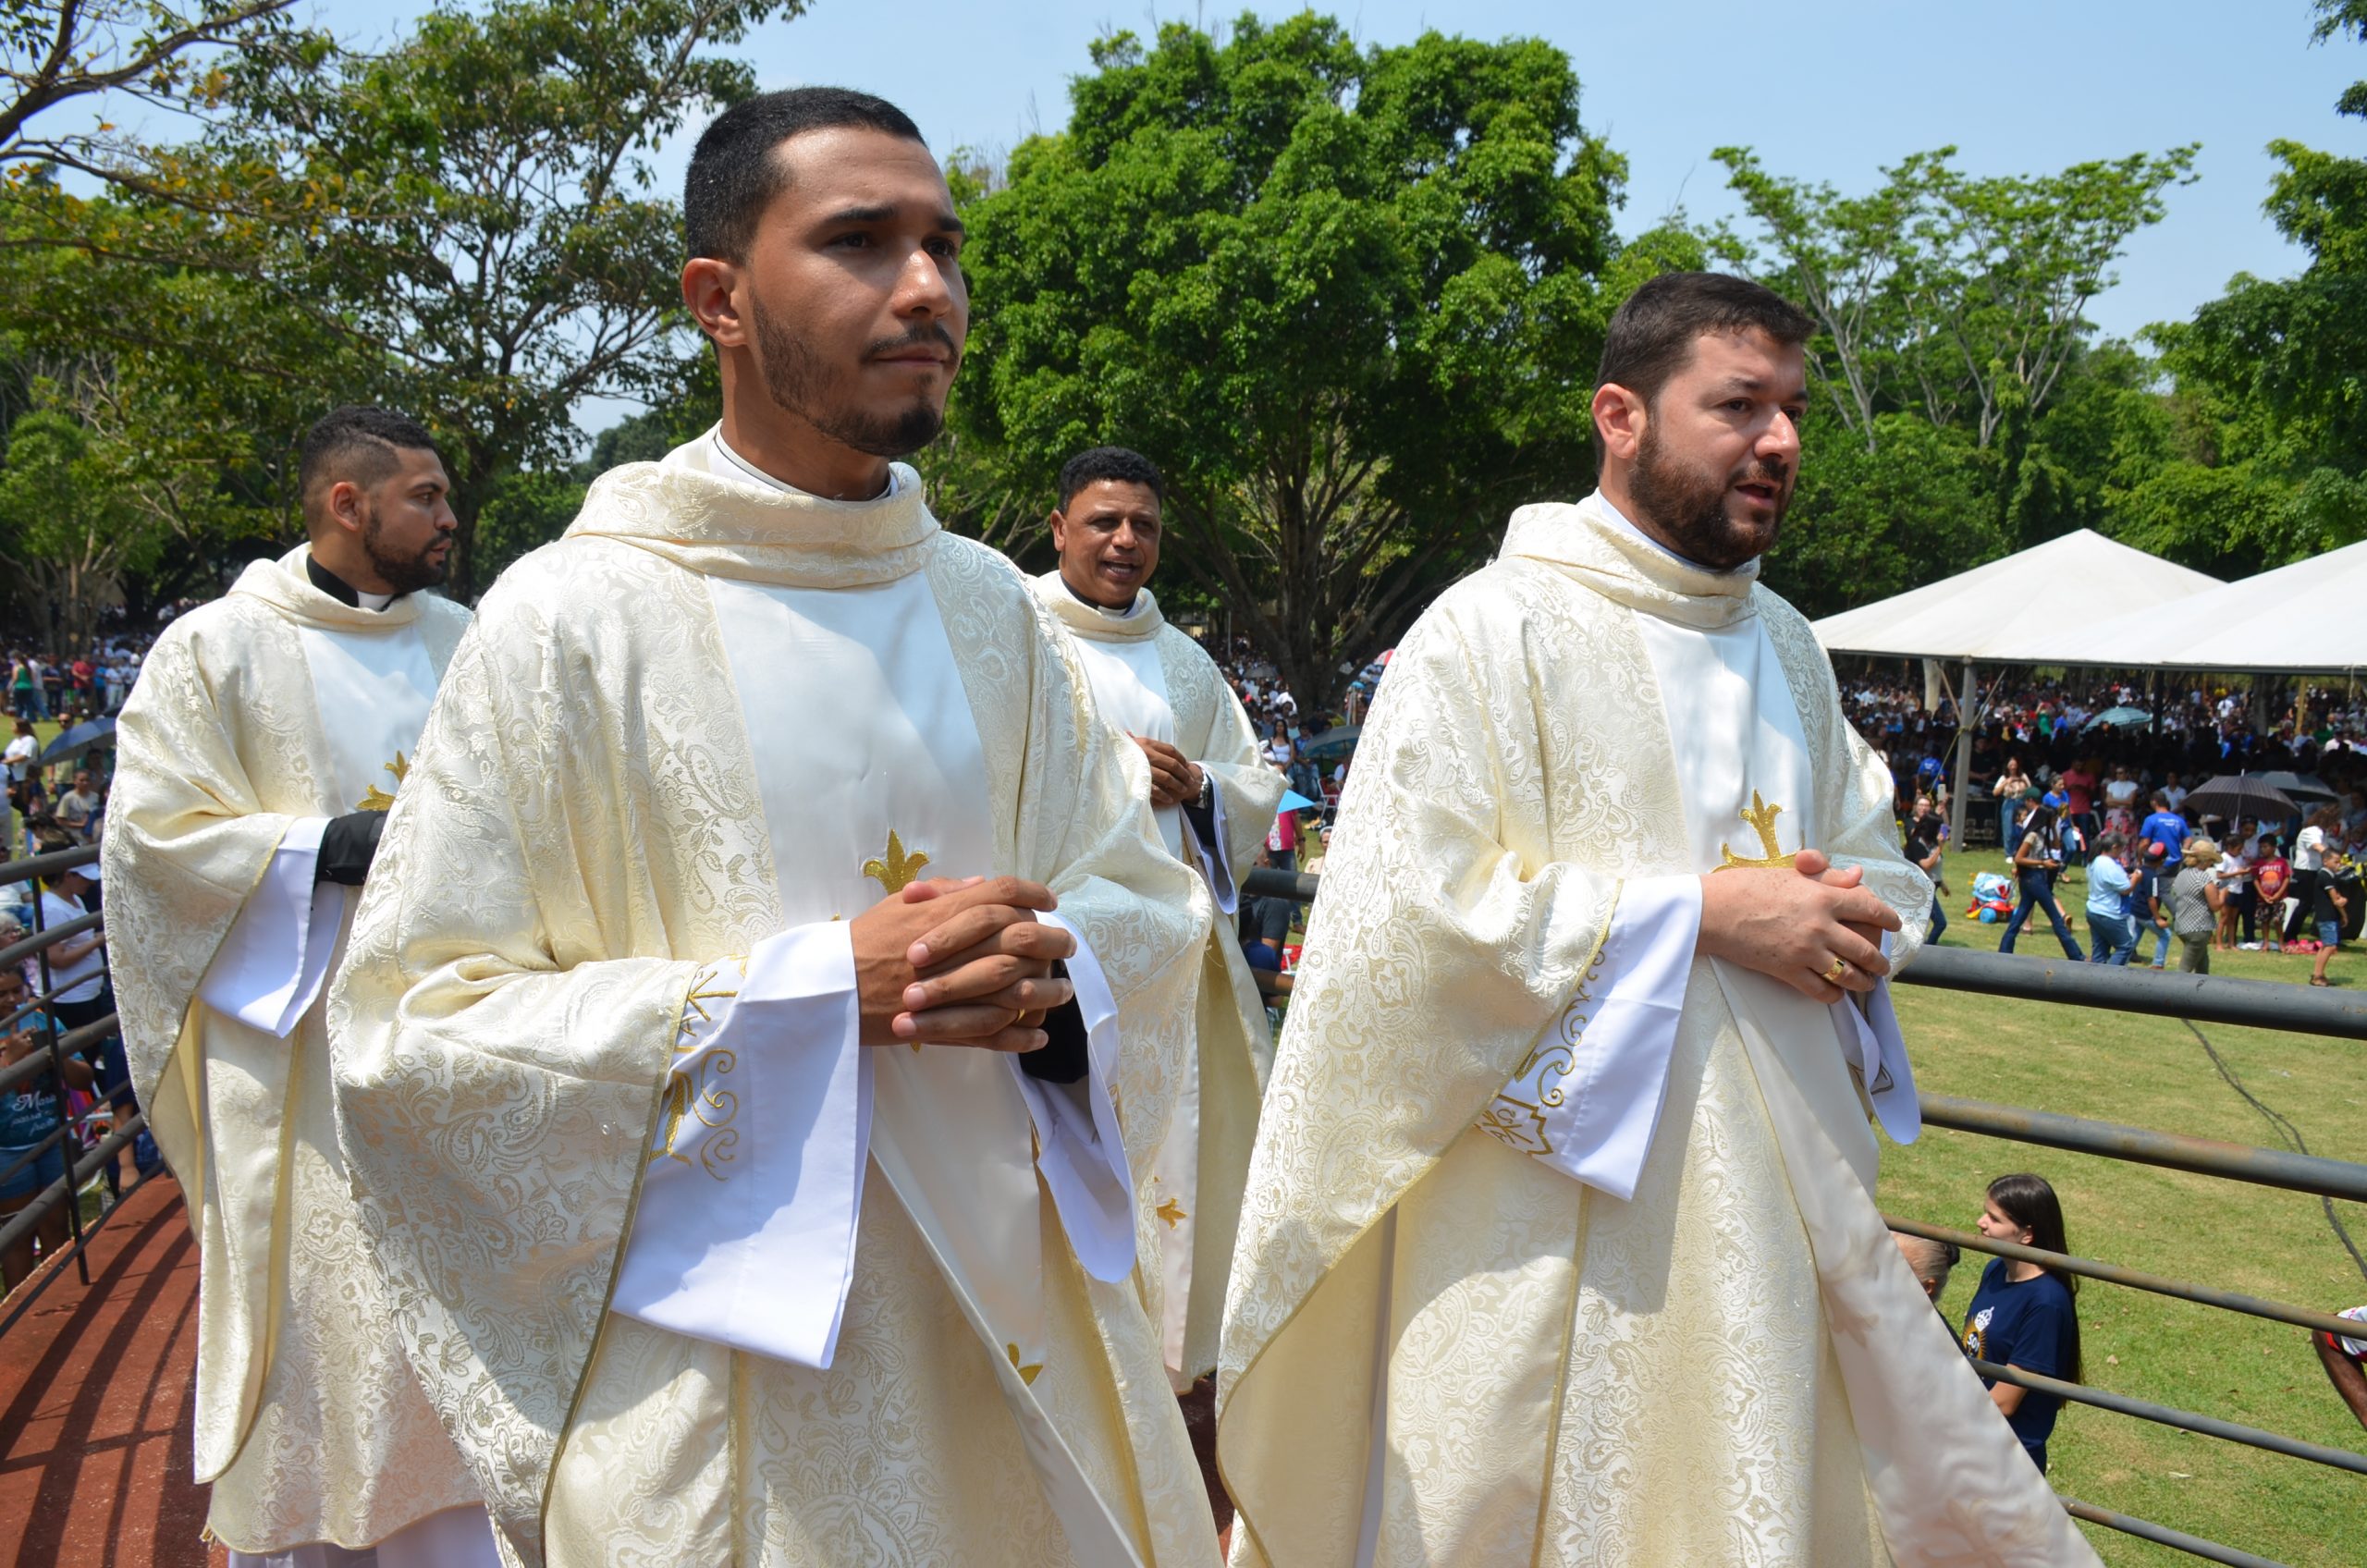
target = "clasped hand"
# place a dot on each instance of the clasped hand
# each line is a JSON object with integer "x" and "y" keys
{"x": 966, "y": 962}
{"x": 1175, "y": 777}
{"x": 1794, "y": 924}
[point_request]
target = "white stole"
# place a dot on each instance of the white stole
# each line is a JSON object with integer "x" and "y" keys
{"x": 871, "y": 774}
{"x": 1740, "y": 750}
{"x": 1129, "y": 681}
{"x": 371, "y": 691}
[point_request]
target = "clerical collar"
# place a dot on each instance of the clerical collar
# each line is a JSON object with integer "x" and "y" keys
{"x": 760, "y": 477}
{"x": 1618, "y": 520}
{"x": 1131, "y": 604}
{"x": 344, "y": 593}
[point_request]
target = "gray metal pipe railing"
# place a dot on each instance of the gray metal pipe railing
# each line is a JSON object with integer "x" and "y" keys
{"x": 2206, "y": 999}
{"x": 69, "y": 1044}
{"x": 2174, "y": 1151}
{"x": 2162, "y": 1535}
{"x": 2135, "y": 1279}
{"x": 47, "y": 864}
{"x": 47, "y": 938}
{"x": 2170, "y": 1416}
{"x": 24, "y": 1222}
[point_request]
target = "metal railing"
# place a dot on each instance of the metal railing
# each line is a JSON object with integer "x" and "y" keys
{"x": 62, "y": 1044}
{"x": 2258, "y": 1004}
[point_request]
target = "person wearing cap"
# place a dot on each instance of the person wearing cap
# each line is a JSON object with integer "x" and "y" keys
{"x": 258, "y": 757}
{"x": 1215, "y": 800}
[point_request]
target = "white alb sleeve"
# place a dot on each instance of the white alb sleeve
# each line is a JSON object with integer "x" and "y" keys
{"x": 272, "y": 964}
{"x": 749, "y": 1241}
{"x": 1082, "y": 1153}
{"x": 1876, "y": 1053}
{"x": 1214, "y": 860}
{"x": 1591, "y": 1090}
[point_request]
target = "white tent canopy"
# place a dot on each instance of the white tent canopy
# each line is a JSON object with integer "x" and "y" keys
{"x": 2308, "y": 617}
{"x": 1997, "y": 613}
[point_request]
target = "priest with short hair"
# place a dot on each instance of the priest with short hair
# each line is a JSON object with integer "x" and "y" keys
{"x": 754, "y": 1069}
{"x": 255, "y": 758}
{"x": 1561, "y": 1244}
{"x": 1215, "y": 799}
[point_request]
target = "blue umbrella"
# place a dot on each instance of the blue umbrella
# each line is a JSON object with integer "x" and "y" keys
{"x": 1293, "y": 801}
{"x": 82, "y": 738}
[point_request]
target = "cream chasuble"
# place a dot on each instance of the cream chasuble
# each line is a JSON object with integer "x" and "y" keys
{"x": 615, "y": 1142}
{"x": 255, "y": 719}
{"x": 1150, "y": 678}
{"x": 1440, "y": 1348}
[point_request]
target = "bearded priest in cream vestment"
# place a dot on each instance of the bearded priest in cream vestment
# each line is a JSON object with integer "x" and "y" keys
{"x": 1162, "y": 690}
{"x": 265, "y": 731}
{"x": 692, "y": 1275}
{"x": 1561, "y": 1244}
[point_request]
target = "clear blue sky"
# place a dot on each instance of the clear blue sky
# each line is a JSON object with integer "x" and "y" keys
{"x": 1827, "y": 90}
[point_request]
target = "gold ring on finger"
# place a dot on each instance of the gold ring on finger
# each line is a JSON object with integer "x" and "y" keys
{"x": 1836, "y": 974}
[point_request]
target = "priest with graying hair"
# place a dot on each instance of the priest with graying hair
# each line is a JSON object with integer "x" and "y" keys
{"x": 255, "y": 761}
{"x": 1561, "y": 1244}
{"x": 752, "y": 1070}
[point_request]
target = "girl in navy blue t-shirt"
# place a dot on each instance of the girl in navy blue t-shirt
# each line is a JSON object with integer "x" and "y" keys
{"x": 2025, "y": 1316}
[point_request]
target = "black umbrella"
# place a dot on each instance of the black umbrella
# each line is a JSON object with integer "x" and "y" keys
{"x": 83, "y": 737}
{"x": 2235, "y": 795}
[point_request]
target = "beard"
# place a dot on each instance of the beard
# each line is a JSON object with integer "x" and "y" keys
{"x": 403, "y": 572}
{"x": 1689, "y": 504}
{"x": 798, "y": 382}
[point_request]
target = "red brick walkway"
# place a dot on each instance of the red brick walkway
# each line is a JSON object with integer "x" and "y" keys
{"x": 94, "y": 1404}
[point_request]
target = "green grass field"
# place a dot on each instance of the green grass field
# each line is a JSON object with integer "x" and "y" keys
{"x": 2153, "y": 1072}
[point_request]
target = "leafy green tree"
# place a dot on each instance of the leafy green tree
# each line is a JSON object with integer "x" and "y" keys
{"x": 1958, "y": 297}
{"x": 148, "y": 51}
{"x": 69, "y": 518}
{"x": 1349, "y": 299}
{"x": 2272, "y": 463}
{"x": 1868, "y": 521}
{"x": 472, "y": 214}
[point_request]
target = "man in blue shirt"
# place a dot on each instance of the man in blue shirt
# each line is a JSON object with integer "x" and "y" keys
{"x": 2165, "y": 828}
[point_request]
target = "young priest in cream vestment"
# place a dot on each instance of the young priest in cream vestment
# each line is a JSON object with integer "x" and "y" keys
{"x": 256, "y": 757}
{"x": 1561, "y": 1244}
{"x": 754, "y": 1188}
{"x": 1215, "y": 797}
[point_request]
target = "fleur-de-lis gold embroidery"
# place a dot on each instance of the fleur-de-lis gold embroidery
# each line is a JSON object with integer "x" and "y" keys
{"x": 1172, "y": 1212}
{"x": 1761, "y": 817}
{"x": 379, "y": 800}
{"x": 698, "y": 1088}
{"x": 897, "y": 870}
{"x": 1027, "y": 1373}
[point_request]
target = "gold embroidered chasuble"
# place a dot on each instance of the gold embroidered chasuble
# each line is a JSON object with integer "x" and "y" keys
{"x": 581, "y": 846}
{"x": 1733, "y": 1367}
{"x": 310, "y": 1426}
{"x": 1197, "y": 1192}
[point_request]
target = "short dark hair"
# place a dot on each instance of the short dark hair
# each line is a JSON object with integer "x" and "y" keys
{"x": 357, "y": 442}
{"x": 1120, "y": 463}
{"x": 1651, "y": 334}
{"x": 735, "y": 171}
